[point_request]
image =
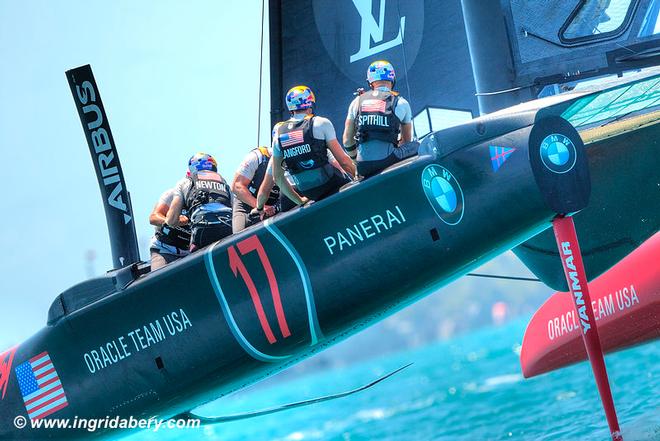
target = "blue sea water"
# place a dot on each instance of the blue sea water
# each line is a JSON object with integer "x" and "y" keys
{"x": 468, "y": 388}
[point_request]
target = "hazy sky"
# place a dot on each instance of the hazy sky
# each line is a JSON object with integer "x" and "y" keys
{"x": 175, "y": 78}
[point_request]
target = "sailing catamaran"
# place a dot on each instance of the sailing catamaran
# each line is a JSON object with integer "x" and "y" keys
{"x": 134, "y": 343}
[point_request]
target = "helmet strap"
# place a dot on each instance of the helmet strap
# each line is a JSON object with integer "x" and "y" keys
{"x": 299, "y": 111}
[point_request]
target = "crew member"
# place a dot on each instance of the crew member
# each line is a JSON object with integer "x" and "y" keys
{"x": 374, "y": 122}
{"x": 168, "y": 243}
{"x": 300, "y": 145}
{"x": 284, "y": 203}
{"x": 247, "y": 180}
{"x": 206, "y": 196}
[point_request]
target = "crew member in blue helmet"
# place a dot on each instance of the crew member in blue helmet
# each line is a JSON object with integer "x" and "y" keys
{"x": 378, "y": 131}
{"x": 300, "y": 146}
{"x": 206, "y": 196}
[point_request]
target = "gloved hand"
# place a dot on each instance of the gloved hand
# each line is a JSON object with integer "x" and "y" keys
{"x": 264, "y": 213}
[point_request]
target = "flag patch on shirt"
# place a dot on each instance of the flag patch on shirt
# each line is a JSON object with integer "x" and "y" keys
{"x": 291, "y": 138}
{"x": 40, "y": 386}
{"x": 373, "y": 106}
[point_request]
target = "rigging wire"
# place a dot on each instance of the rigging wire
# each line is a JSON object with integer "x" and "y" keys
{"x": 499, "y": 92}
{"x": 495, "y": 276}
{"x": 405, "y": 62}
{"x": 261, "y": 62}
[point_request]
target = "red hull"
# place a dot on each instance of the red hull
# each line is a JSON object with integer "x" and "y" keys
{"x": 625, "y": 301}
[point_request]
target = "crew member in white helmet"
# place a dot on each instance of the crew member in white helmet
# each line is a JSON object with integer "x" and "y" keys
{"x": 378, "y": 131}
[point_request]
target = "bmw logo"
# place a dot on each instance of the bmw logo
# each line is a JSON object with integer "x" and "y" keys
{"x": 558, "y": 153}
{"x": 444, "y": 193}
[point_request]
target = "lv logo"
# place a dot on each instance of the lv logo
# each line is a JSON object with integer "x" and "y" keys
{"x": 372, "y": 30}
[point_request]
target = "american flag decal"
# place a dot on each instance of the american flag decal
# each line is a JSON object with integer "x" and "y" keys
{"x": 40, "y": 386}
{"x": 373, "y": 106}
{"x": 291, "y": 138}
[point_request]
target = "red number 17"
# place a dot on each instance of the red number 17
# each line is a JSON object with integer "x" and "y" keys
{"x": 246, "y": 246}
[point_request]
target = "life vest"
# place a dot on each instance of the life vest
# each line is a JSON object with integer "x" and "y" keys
{"x": 259, "y": 176}
{"x": 300, "y": 150}
{"x": 207, "y": 187}
{"x": 376, "y": 118}
{"x": 178, "y": 237}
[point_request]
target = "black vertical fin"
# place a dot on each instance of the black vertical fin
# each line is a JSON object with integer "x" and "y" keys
{"x": 116, "y": 199}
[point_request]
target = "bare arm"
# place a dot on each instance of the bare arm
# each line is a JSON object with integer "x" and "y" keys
{"x": 240, "y": 188}
{"x": 406, "y": 133}
{"x": 341, "y": 157}
{"x": 334, "y": 163}
{"x": 264, "y": 191}
{"x": 349, "y": 138}
{"x": 157, "y": 216}
{"x": 174, "y": 213}
{"x": 283, "y": 183}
